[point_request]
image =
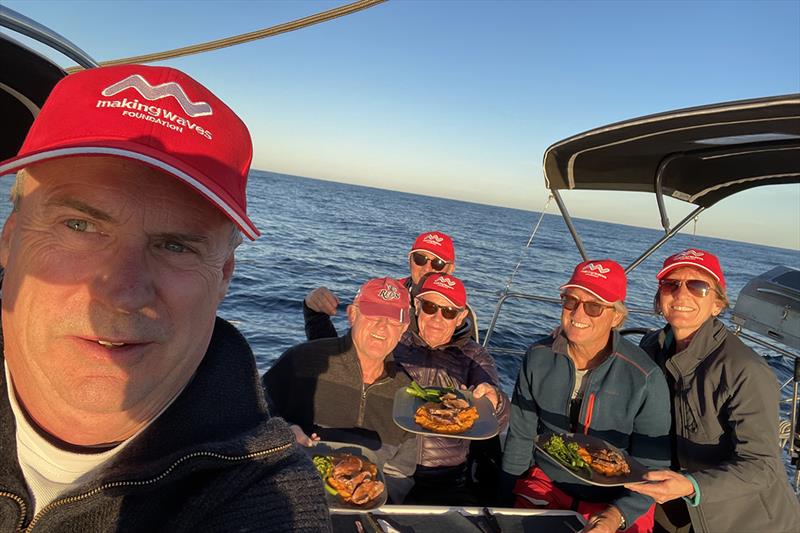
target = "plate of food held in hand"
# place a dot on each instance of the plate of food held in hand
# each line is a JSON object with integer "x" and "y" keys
{"x": 591, "y": 459}
{"x": 444, "y": 412}
{"x": 350, "y": 475}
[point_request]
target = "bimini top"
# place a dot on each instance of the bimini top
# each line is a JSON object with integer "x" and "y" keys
{"x": 27, "y": 77}
{"x": 699, "y": 155}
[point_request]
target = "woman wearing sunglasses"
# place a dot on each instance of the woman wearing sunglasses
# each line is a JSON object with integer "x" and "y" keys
{"x": 434, "y": 357}
{"x": 587, "y": 379}
{"x": 726, "y": 473}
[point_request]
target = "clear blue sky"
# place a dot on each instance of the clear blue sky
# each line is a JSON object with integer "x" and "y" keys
{"x": 461, "y": 98}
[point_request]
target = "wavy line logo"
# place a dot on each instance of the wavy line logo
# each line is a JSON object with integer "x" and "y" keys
{"x": 445, "y": 283}
{"x": 690, "y": 255}
{"x": 153, "y": 93}
{"x": 595, "y": 271}
{"x": 433, "y": 239}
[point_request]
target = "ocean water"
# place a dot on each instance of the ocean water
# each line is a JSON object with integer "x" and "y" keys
{"x": 325, "y": 233}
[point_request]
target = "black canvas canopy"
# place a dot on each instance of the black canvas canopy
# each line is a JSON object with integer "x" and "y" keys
{"x": 27, "y": 77}
{"x": 698, "y": 155}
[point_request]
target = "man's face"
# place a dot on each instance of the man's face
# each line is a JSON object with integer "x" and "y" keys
{"x": 586, "y": 330}
{"x": 374, "y": 337}
{"x": 434, "y": 328}
{"x": 113, "y": 274}
{"x": 417, "y": 270}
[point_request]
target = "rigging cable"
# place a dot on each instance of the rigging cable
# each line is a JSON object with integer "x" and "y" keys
{"x": 526, "y": 250}
{"x": 323, "y": 16}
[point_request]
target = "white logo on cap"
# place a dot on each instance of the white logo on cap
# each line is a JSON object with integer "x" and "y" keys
{"x": 389, "y": 293}
{"x": 595, "y": 271}
{"x": 432, "y": 238}
{"x": 152, "y": 93}
{"x": 690, "y": 255}
{"x": 445, "y": 283}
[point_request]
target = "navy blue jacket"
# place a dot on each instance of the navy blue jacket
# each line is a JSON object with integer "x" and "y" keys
{"x": 626, "y": 403}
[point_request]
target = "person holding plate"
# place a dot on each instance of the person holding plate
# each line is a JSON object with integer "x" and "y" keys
{"x": 343, "y": 388}
{"x": 726, "y": 472}
{"x": 433, "y": 356}
{"x": 587, "y": 379}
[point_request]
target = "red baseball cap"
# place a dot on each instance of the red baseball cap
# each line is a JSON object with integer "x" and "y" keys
{"x": 603, "y": 278}
{"x": 158, "y": 116}
{"x": 448, "y": 286}
{"x": 694, "y": 258}
{"x": 384, "y": 297}
{"x": 436, "y": 243}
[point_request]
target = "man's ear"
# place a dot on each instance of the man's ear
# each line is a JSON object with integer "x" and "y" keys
{"x": 5, "y": 239}
{"x": 461, "y": 316}
{"x": 351, "y": 313}
{"x": 227, "y": 275}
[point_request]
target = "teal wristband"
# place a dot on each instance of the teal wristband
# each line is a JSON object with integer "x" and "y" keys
{"x": 694, "y": 501}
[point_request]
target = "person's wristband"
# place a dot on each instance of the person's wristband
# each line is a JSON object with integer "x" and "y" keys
{"x": 622, "y": 523}
{"x": 693, "y": 501}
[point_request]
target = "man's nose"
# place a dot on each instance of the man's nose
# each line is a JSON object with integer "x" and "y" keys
{"x": 125, "y": 281}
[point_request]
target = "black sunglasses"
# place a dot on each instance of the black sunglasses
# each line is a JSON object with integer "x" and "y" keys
{"x": 593, "y": 309}
{"x": 430, "y": 308}
{"x": 421, "y": 259}
{"x": 697, "y": 287}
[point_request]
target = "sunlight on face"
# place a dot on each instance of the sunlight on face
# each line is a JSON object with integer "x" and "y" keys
{"x": 374, "y": 337}
{"x": 434, "y": 329}
{"x": 584, "y": 330}
{"x": 684, "y": 311}
{"x": 113, "y": 274}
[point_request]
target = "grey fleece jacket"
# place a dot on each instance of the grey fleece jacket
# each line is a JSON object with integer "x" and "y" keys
{"x": 725, "y": 410}
{"x": 213, "y": 461}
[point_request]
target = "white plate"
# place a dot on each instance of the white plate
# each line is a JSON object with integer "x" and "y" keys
{"x": 405, "y": 405}
{"x": 637, "y": 469}
{"x": 335, "y": 502}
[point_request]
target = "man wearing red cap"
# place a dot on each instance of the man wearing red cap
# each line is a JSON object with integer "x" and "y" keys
{"x": 125, "y": 403}
{"x": 587, "y": 379}
{"x": 432, "y": 252}
{"x": 435, "y": 356}
{"x": 343, "y": 388}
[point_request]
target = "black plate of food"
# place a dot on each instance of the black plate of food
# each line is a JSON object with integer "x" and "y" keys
{"x": 441, "y": 419}
{"x": 608, "y": 466}
{"x": 350, "y": 475}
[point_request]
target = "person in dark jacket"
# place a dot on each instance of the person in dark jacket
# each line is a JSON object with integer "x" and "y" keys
{"x": 342, "y": 389}
{"x": 125, "y": 404}
{"x": 588, "y": 379}
{"x": 726, "y": 472}
{"x": 433, "y": 357}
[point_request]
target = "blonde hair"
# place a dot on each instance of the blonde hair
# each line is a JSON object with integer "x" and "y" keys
{"x": 15, "y": 194}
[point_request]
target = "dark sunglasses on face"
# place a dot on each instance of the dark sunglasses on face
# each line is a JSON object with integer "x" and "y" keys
{"x": 697, "y": 287}
{"x": 593, "y": 309}
{"x": 421, "y": 259}
{"x": 430, "y": 308}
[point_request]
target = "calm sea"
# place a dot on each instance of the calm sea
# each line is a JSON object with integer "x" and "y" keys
{"x": 324, "y": 233}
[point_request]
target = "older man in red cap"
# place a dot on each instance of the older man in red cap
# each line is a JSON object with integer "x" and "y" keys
{"x": 343, "y": 388}
{"x": 435, "y": 356}
{"x": 587, "y": 379}
{"x": 125, "y": 403}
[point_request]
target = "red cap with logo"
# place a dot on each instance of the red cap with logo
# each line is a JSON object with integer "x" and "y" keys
{"x": 384, "y": 297}
{"x": 158, "y": 116}
{"x": 448, "y": 286}
{"x": 436, "y": 243}
{"x": 604, "y": 278}
{"x": 694, "y": 258}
